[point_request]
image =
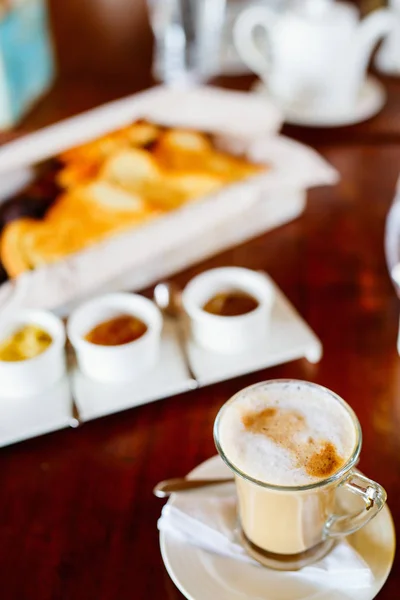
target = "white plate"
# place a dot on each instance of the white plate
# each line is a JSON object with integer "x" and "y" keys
{"x": 23, "y": 418}
{"x": 371, "y": 100}
{"x": 288, "y": 338}
{"x": 200, "y": 575}
{"x": 170, "y": 376}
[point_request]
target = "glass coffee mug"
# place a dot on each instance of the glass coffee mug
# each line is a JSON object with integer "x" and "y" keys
{"x": 289, "y": 527}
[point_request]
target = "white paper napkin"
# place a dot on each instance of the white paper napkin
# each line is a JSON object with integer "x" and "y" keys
{"x": 209, "y": 522}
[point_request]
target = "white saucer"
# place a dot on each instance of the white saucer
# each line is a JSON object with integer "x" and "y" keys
{"x": 200, "y": 575}
{"x": 371, "y": 100}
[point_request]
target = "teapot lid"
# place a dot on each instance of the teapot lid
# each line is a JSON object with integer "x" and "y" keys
{"x": 315, "y": 8}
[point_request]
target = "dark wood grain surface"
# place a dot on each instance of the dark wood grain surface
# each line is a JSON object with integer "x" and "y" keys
{"x": 77, "y": 516}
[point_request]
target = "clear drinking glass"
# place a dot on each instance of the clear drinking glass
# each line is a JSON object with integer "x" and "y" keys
{"x": 187, "y": 36}
{"x": 289, "y": 527}
{"x": 392, "y": 245}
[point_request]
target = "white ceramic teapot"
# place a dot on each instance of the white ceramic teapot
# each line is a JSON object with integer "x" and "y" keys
{"x": 318, "y": 52}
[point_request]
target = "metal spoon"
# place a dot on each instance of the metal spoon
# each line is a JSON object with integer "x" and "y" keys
{"x": 168, "y": 297}
{"x": 181, "y": 484}
{"x": 75, "y": 420}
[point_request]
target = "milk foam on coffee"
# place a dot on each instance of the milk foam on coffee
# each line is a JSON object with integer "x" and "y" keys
{"x": 287, "y": 433}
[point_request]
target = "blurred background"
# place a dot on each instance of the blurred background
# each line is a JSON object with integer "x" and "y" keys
{"x": 103, "y": 49}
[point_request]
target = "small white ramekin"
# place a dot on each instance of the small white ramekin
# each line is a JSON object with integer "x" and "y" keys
{"x": 228, "y": 335}
{"x": 115, "y": 363}
{"x": 31, "y": 376}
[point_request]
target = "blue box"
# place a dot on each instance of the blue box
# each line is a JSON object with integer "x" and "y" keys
{"x": 26, "y": 59}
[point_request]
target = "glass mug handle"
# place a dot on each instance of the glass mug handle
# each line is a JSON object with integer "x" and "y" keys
{"x": 374, "y": 497}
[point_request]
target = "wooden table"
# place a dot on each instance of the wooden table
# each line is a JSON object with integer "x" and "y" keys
{"x": 77, "y": 515}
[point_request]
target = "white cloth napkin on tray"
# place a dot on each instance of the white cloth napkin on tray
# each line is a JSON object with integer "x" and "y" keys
{"x": 209, "y": 522}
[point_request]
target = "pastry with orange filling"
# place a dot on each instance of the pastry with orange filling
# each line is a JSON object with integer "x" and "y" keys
{"x": 118, "y": 182}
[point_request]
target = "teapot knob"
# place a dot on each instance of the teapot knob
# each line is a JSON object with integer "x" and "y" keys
{"x": 315, "y": 8}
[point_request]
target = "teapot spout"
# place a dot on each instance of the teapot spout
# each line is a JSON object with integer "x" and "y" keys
{"x": 372, "y": 28}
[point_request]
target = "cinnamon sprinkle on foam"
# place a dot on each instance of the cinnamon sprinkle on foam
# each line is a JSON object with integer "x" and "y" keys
{"x": 318, "y": 458}
{"x": 324, "y": 462}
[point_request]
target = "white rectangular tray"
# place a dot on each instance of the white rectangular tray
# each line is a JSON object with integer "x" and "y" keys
{"x": 288, "y": 338}
{"x": 24, "y": 418}
{"x": 169, "y": 377}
